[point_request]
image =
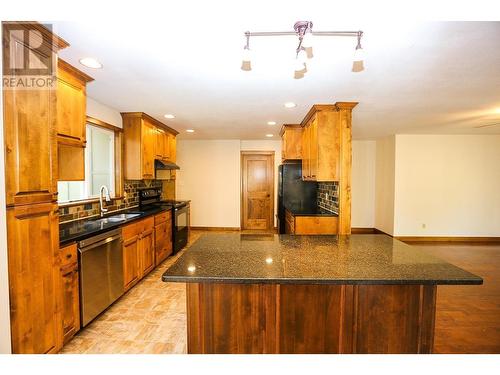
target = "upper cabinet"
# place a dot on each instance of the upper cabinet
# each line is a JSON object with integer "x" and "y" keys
{"x": 71, "y": 104}
{"x": 291, "y": 136}
{"x": 145, "y": 139}
{"x": 71, "y": 121}
{"x": 321, "y": 144}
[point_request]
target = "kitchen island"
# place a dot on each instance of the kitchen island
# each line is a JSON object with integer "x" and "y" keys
{"x": 362, "y": 293}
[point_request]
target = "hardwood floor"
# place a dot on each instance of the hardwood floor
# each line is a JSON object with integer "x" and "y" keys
{"x": 151, "y": 318}
{"x": 468, "y": 317}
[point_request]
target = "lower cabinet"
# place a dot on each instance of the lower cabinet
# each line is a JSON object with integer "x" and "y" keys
{"x": 163, "y": 236}
{"x": 310, "y": 224}
{"x": 70, "y": 301}
{"x": 33, "y": 246}
{"x": 138, "y": 251}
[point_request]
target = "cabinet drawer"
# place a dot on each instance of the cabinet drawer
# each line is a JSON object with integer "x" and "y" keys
{"x": 316, "y": 225}
{"x": 68, "y": 255}
{"x": 147, "y": 224}
{"x": 162, "y": 217}
{"x": 130, "y": 230}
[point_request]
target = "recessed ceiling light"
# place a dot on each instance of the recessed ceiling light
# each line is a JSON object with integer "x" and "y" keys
{"x": 269, "y": 135}
{"x": 271, "y": 123}
{"x": 170, "y": 116}
{"x": 90, "y": 62}
{"x": 190, "y": 130}
{"x": 290, "y": 105}
{"x": 497, "y": 110}
{"x": 191, "y": 268}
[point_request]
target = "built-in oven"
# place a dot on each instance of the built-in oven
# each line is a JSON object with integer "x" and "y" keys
{"x": 181, "y": 226}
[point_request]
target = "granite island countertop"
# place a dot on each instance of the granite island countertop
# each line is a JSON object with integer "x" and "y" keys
{"x": 288, "y": 259}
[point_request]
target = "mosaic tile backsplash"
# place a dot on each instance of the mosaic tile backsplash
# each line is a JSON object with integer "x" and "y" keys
{"x": 330, "y": 189}
{"x": 81, "y": 211}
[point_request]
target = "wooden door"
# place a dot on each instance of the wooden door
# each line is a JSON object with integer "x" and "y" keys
{"x": 257, "y": 182}
{"x": 33, "y": 250}
{"x": 130, "y": 261}
{"x": 148, "y": 150}
{"x": 147, "y": 252}
{"x": 30, "y": 147}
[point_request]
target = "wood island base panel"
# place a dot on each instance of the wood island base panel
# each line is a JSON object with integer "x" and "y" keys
{"x": 309, "y": 319}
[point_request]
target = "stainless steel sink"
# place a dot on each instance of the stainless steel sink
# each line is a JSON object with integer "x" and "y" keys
{"x": 122, "y": 216}
{"x": 117, "y": 218}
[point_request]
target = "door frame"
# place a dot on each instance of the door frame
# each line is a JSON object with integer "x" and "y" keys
{"x": 269, "y": 153}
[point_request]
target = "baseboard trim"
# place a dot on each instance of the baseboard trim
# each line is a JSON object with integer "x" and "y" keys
{"x": 446, "y": 239}
{"x": 363, "y": 230}
{"x": 222, "y": 229}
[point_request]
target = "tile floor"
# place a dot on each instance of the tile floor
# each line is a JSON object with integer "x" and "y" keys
{"x": 149, "y": 318}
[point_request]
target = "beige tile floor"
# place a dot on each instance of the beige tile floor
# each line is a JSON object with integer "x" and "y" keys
{"x": 149, "y": 318}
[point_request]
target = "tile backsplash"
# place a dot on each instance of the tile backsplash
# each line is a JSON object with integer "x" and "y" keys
{"x": 328, "y": 197}
{"x": 81, "y": 211}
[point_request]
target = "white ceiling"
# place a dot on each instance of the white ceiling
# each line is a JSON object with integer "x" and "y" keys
{"x": 440, "y": 77}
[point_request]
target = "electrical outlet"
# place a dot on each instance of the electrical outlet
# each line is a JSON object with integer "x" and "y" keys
{"x": 326, "y": 196}
{"x": 423, "y": 225}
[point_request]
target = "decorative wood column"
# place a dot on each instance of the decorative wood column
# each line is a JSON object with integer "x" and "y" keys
{"x": 345, "y": 164}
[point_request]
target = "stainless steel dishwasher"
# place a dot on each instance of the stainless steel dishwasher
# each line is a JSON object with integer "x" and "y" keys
{"x": 101, "y": 273}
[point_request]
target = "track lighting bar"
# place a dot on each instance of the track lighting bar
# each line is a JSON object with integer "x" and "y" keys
{"x": 303, "y": 30}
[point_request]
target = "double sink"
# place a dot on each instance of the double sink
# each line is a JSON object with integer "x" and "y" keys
{"x": 116, "y": 218}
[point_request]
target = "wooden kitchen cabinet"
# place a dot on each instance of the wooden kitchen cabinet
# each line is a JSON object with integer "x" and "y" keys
{"x": 69, "y": 290}
{"x": 71, "y": 121}
{"x": 291, "y": 146}
{"x": 321, "y": 144}
{"x": 147, "y": 252}
{"x": 310, "y": 224}
{"x": 163, "y": 236}
{"x": 34, "y": 287}
{"x": 145, "y": 139}
{"x": 138, "y": 251}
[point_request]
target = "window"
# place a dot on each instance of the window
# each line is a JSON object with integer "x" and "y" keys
{"x": 99, "y": 167}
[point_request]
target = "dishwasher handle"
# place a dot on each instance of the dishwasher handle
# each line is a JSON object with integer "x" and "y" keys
{"x": 100, "y": 243}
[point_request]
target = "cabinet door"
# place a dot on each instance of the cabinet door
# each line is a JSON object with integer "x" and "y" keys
{"x": 292, "y": 143}
{"x": 313, "y": 149}
{"x": 29, "y": 132}
{"x": 172, "y": 148}
{"x": 147, "y": 252}
{"x": 33, "y": 250}
{"x": 159, "y": 144}
{"x": 163, "y": 241}
{"x": 71, "y": 112}
{"x": 148, "y": 150}
{"x": 130, "y": 261}
{"x": 70, "y": 301}
{"x": 305, "y": 153}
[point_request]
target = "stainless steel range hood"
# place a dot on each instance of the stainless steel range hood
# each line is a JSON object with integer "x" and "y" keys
{"x": 165, "y": 165}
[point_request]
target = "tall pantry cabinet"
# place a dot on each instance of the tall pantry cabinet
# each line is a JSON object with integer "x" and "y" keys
{"x": 31, "y": 197}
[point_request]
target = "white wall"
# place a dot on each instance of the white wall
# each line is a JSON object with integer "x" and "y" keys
{"x": 265, "y": 145}
{"x": 363, "y": 184}
{"x": 103, "y": 112}
{"x": 384, "y": 184}
{"x": 210, "y": 178}
{"x": 4, "y": 279}
{"x": 450, "y": 183}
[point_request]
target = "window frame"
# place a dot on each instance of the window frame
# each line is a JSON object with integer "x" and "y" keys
{"x": 118, "y": 165}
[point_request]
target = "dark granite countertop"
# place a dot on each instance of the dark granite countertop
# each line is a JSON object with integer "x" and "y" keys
{"x": 285, "y": 259}
{"x": 81, "y": 229}
{"x": 309, "y": 211}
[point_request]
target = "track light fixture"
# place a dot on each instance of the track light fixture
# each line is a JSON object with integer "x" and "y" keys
{"x": 303, "y": 30}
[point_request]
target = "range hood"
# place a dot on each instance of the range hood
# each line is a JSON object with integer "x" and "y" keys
{"x": 165, "y": 165}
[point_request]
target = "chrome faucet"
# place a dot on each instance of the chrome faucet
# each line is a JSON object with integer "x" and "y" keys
{"x": 108, "y": 199}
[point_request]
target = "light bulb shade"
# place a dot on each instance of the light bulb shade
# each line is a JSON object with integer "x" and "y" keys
{"x": 246, "y": 66}
{"x": 247, "y": 55}
{"x": 300, "y": 66}
{"x": 359, "y": 54}
{"x": 307, "y": 39}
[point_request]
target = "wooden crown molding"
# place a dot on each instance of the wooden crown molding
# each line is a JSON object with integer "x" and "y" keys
{"x": 345, "y": 105}
{"x": 317, "y": 108}
{"x": 284, "y": 126}
{"x": 142, "y": 115}
{"x": 81, "y": 76}
{"x": 57, "y": 42}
